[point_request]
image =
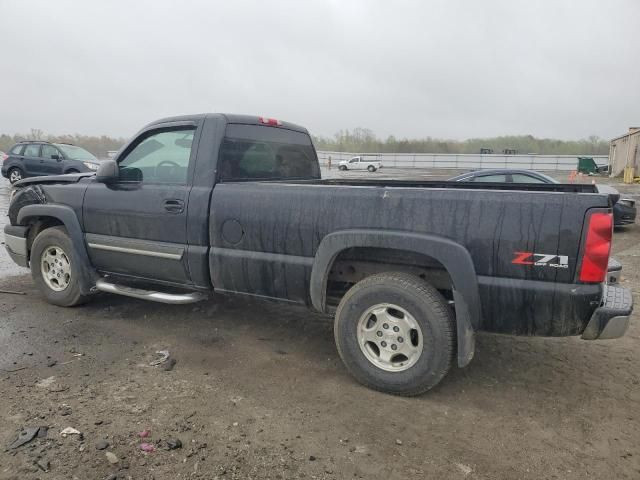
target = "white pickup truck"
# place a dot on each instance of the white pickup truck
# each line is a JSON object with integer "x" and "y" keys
{"x": 361, "y": 163}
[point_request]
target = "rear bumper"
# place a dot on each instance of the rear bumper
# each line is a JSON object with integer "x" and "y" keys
{"x": 614, "y": 271}
{"x": 611, "y": 318}
{"x": 15, "y": 241}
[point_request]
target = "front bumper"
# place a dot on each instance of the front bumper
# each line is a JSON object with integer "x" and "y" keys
{"x": 15, "y": 241}
{"x": 611, "y": 318}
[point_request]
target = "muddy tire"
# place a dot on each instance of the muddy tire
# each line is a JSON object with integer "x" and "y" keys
{"x": 395, "y": 333}
{"x": 54, "y": 268}
{"x": 14, "y": 175}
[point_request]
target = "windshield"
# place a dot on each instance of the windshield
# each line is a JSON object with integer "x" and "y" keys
{"x": 76, "y": 153}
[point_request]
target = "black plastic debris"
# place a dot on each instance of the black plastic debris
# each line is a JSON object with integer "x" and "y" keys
{"x": 174, "y": 443}
{"x": 25, "y": 436}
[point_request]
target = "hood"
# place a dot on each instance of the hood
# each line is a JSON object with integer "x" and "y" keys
{"x": 68, "y": 178}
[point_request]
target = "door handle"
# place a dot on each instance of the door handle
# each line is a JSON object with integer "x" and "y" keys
{"x": 174, "y": 206}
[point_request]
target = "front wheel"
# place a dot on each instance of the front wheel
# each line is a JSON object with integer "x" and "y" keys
{"x": 342, "y": 167}
{"x": 54, "y": 268}
{"x": 15, "y": 175}
{"x": 395, "y": 333}
{"x": 371, "y": 168}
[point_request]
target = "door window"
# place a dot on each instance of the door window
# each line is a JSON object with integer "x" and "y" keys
{"x": 161, "y": 157}
{"x": 48, "y": 151}
{"x": 354, "y": 160}
{"x": 492, "y": 178}
{"x": 522, "y": 178}
{"x": 32, "y": 150}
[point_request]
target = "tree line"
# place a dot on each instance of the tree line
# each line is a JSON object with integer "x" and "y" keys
{"x": 98, "y": 145}
{"x": 363, "y": 140}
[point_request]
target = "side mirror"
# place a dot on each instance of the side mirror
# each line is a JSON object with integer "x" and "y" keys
{"x": 107, "y": 171}
{"x": 55, "y": 156}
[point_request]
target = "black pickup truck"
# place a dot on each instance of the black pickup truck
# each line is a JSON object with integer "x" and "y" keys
{"x": 410, "y": 269}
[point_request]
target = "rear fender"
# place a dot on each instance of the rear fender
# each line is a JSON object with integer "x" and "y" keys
{"x": 454, "y": 257}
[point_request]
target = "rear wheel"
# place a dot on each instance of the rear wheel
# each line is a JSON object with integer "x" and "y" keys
{"x": 395, "y": 333}
{"x": 371, "y": 168}
{"x": 15, "y": 175}
{"x": 54, "y": 268}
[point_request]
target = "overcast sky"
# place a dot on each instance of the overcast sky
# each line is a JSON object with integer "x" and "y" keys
{"x": 446, "y": 68}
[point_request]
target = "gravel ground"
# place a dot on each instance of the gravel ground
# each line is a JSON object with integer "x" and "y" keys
{"x": 258, "y": 391}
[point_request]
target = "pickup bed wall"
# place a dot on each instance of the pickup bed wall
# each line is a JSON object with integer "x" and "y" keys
{"x": 282, "y": 225}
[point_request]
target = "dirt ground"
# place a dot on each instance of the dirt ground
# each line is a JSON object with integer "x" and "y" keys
{"x": 258, "y": 391}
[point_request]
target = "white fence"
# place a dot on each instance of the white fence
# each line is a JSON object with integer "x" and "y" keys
{"x": 565, "y": 163}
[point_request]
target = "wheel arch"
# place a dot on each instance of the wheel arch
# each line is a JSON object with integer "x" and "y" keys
{"x": 454, "y": 257}
{"x": 41, "y": 217}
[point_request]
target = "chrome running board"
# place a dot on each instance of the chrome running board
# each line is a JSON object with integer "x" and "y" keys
{"x": 174, "y": 298}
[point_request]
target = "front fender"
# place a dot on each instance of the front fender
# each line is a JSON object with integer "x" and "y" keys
{"x": 68, "y": 217}
{"x": 454, "y": 257}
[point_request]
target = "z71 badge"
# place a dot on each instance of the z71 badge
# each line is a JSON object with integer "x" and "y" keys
{"x": 541, "y": 260}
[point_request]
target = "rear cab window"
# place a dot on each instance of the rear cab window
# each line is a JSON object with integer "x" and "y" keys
{"x": 257, "y": 152}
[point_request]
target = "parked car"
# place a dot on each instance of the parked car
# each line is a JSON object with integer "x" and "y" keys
{"x": 624, "y": 210}
{"x": 360, "y": 163}
{"x": 36, "y": 158}
{"x": 200, "y": 204}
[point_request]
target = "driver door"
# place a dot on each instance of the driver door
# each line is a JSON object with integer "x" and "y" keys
{"x": 137, "y": 226}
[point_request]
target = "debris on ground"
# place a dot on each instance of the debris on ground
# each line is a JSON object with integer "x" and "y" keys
{"x": 465, "y": 469}
{"x": 147, "y": 447}
{"x": 70, "y": 431}
{"x": 43, "y": 464}
{"x": 163, "y": 357}
{"x": 174, "y": 443}
{"x": 168, "y": 366}
{"x": 51, "y": 362}
{"x": 398, "y": 441}
{"x": 65, "y": 410}
{"x": 144, "y": 434}
{"x": 46, "y": 382}
{"x": 12, "y": 292}
{"x": 312, "y": 458}
{"x": 111, "y": 457}
{"x": 102, "y": 444}
{"x": 25, "y": 436}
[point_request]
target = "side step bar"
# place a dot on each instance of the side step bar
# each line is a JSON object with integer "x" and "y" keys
{"x": 174, "y": 298}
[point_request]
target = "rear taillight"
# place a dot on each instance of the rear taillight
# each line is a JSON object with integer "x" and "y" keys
{"x": 269, "y": 121}
{"x": 597, "y": 246}
{"x": 3, "y": 157}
